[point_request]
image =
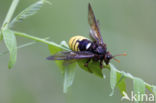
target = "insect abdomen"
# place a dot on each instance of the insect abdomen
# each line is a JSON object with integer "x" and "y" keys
{"x": 79, "y": 43}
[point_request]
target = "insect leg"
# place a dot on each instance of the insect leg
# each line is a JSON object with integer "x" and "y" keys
{"x": 86, "y": 65}
{"x": 101, "y": 64}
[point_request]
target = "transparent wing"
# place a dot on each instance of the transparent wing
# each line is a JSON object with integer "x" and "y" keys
{"x": 94, "y": 31}
{"x": 71, "y": 55}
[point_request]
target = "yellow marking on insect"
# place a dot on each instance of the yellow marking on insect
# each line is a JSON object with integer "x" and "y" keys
{"x": 70, "y": 42}
{"x": 73, "y": 42}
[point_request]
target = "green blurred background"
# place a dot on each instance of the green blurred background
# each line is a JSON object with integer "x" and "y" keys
{"x": 126, "y": 26}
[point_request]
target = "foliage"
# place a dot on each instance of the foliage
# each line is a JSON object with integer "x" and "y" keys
{"x": 117, "y": 78}
{"x": 31, "y": 10}
{"x": 10, "y": 41}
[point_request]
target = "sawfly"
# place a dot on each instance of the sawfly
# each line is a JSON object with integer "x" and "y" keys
{"x": 83, "y": 48}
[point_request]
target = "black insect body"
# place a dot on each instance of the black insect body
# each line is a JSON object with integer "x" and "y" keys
{"x": 99, "y": 51}
{"x": 83, "y": 48}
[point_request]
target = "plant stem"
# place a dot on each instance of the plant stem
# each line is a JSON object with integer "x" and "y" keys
{"x": 10, "y": 14}
{"x": 38, "y": 39}
{"x": 127, "y": 75}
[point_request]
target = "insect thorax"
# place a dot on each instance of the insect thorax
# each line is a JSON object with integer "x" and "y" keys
{"x": 79, "y": 43}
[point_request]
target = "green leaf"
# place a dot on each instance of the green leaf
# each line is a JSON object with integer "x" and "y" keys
{"x": 67, "y": 67}
{"x": 154, "y": 91}
{"x": 149, "y": 88}
{"x": 10, "y": 42}
{"x": 121, "y": 82}
{"x": 117, "y": 79}
{"x": 139, "y": 88}
{"x": 31, "y": 10}
{"x": 113, "y": 78}
{"x": 93, "y": 67}
{"x": 69, "y": 76}
{"x": 53, "y": 50}
{"x": 1, "y": 36}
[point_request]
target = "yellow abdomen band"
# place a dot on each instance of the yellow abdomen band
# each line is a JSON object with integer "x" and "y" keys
{"x": 73, "y": 42}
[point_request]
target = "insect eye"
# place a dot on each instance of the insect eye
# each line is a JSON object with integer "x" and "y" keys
{"x": 108, "y": 56}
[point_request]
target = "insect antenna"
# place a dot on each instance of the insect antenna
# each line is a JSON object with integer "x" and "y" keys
{"x": 124, "y": 54}
{"x": 116, "y": 60}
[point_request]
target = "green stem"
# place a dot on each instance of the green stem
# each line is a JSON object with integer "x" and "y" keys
{"x": 10, "y": 14}
{"x": 148, "y": 86}
{"x": 38, "y": 39}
